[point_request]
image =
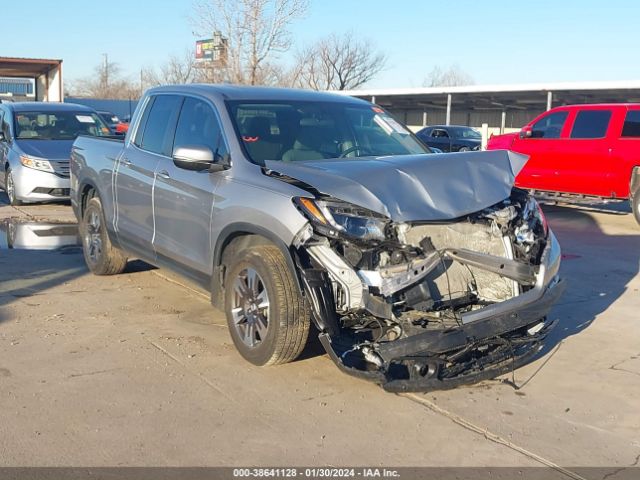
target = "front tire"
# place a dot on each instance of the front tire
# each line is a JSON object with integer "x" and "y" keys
{"x": 10, "y": 188}
{"x": 635, "y": 204}
{"x": 266, "y": 313}
{"x": 100, "y": 255}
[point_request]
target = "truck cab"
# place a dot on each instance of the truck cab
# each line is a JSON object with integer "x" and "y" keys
{"x": 587, "y": 150}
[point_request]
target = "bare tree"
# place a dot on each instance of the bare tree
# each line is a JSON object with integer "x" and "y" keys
{"x": 256, "y": 31}
{"x": 451, "y": 77}
{"x": 338, "y": 62}
{"x": 106, "y": 82}
{"x": 178, "y": 69}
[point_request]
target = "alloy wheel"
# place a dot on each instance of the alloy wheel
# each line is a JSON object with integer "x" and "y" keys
{"x": 250, "y": 307}
{"x": 11, "y": 189}
{"x": 93, "y": 236}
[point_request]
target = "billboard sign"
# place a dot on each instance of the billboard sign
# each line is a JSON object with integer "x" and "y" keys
{"x": 204, "y": 49}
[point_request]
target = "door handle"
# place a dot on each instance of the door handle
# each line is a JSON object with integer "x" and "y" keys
{"x": 164, "y": 174}
{"x": 125, "y": 161}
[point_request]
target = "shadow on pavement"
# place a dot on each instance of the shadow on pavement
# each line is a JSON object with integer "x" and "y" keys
{"x": 36, "y": 255}
{"x": 597, "y": 267}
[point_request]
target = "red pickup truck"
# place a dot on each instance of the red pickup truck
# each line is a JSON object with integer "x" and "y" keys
{"x": 584, "y": 150}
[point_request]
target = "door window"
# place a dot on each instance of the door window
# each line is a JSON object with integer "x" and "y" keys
{"x": 549, "y": 126}
{"x": 143, "y": 121}
{"x": 6, "y": 126}
{"x": 160, "y": 126}
{"x": 631, "y": 126}
{"x": 591, "y": 124}
{"x": 440, "y": 134}
{"x": 198, "y": 125}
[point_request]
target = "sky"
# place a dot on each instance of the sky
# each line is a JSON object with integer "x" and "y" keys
{"x": 496, "y": 42}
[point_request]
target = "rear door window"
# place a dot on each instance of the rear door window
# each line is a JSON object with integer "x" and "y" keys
{"x": 549, "y": 126}
{"x": 591, "y": 124}
{"x": 161, "y": 123}
{"x": 631, "y": 126}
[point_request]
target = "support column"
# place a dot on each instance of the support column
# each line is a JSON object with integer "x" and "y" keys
{"x": 484, "y": 134}
{"x": 448, "y": 122}
{"x": 549, "y": 100}
{"x": 424, "y": 118}
{"x": 373, "y": 99}
{"x": 503, "y": 122}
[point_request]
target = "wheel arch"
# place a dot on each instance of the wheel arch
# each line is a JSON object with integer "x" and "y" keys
{"x": 634, "y": 181}
{"x": 239, "y": 236}
{"x": 87, "y": 191}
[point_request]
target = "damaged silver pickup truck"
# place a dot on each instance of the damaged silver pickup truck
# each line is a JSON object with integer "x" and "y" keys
{"x": 419, "y": 271}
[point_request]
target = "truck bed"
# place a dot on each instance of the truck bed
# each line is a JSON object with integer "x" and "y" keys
{"x": 96, "y": 170}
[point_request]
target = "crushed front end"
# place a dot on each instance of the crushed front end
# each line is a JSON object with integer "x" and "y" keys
{"x": 417, "y": 306}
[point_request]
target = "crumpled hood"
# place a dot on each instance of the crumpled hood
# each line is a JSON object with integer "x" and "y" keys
{"x": 47, "y": 149}
{"x": 413, "y": 188}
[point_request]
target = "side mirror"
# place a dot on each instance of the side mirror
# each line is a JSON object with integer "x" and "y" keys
{"x": 193, "y": 157}
{"x": 526, "y": 132}
{"x": 198, "y": 158}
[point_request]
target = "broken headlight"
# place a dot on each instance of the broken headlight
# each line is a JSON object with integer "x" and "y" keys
{"x": 333, "y": 217}
{"x": 532, "y": 229}
{"x": 534, "y": 215}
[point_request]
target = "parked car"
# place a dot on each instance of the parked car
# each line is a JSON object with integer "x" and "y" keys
{"x": 451, "y": 138}
{"x": 35, "y": 146}
{"x": 581, "y": 150}
{"x": 111, "y": 119}
{"x": 419, "y": 271}
{"x": 123, "y": 125}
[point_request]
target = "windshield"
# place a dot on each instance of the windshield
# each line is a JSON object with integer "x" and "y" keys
{"x": 464, "y": 132}
{"x": 58, "y": 125}
{"x": 109, "y": 117}
{"x": 297, "y": 131}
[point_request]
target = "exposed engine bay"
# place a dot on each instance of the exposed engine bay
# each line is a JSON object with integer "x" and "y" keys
{"x": 419, "y": 305}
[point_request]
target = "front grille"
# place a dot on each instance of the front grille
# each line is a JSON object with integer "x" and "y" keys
{"x": 60, "y": 168}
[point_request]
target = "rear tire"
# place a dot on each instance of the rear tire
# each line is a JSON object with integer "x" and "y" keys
{"x": 267, "y": 316}
{"x": 464, "y": 149}
{"x": 10, "y": 188}
{"x": 101, "y": 256}
{"x": 635, "y": 204}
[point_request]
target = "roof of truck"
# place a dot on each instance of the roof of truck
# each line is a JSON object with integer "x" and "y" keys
{"x": 586, "y": 106}
{"x": 242, "y": 92}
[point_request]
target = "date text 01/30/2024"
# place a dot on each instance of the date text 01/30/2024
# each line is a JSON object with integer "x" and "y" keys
{"x": 315, "y": 473}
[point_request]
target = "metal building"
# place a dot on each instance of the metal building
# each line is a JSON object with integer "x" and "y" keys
{"x": 503, "y": 107}
{"x": 31, "y": 79}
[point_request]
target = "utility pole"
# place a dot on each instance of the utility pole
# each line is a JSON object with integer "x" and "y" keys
{"x": 105, "y": 70}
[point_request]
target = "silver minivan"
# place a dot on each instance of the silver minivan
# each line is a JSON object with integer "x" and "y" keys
{"x": 35, "y": 146}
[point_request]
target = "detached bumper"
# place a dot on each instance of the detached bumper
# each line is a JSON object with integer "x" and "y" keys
{"x": 489, "y": 342}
